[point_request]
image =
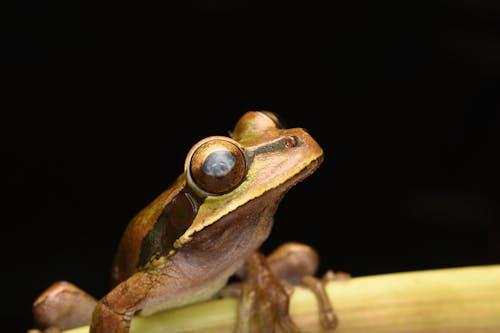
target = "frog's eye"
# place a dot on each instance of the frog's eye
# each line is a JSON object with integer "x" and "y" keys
{"x": 216, "y": 165}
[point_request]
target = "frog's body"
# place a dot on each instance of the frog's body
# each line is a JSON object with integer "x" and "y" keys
{"x": 184, "y": 246}
{"x": 191, "y": 277}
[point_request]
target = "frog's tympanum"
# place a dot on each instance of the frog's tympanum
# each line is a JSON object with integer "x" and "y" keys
{"x": 208, "y": 226}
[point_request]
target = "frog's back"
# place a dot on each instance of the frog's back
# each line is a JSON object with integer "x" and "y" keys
{"x": 132, "y": 251}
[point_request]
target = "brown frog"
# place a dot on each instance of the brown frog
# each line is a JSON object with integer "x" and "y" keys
{"x": 208, "y": 226}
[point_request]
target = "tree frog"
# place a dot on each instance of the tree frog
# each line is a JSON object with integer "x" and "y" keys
{"x": 206, "y": 227}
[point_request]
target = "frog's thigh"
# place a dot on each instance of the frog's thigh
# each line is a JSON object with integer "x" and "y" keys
{"x": 292, "y": 261}
{"x": 63, "y": 305}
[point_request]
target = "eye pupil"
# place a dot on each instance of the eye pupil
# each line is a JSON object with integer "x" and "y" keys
{"x": 219, "y": 163}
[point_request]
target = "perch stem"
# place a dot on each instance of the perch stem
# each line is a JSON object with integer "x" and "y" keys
{"x": 465, "y": 300}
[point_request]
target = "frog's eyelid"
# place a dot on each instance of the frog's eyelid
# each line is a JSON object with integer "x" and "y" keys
{"x": 275, "y": 118}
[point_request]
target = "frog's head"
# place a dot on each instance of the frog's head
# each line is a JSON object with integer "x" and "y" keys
{"x": 225, "y": 198}
{"x": 261, "y": 156}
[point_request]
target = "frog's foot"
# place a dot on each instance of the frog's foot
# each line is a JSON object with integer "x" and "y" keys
{"x": 63, "y": 306}
{"x": 265, "y": 297}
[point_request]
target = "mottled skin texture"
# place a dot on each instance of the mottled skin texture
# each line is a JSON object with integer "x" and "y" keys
{"x": 225, "y": 231}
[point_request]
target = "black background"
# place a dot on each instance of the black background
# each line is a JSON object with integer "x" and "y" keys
{"x": 103, "y": 100}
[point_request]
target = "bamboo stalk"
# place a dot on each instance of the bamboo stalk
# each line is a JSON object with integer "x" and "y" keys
{"x": 449, "y": 300}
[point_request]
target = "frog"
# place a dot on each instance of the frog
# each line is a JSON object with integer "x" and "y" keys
{"x": 204, "y": 230}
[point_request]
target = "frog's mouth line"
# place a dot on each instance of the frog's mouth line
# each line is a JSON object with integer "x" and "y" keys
{"x": 278, "y": 191}
{"x": 304, "y": 173}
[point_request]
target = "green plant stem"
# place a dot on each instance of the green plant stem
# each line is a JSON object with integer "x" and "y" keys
{"x": 461, "y": 300}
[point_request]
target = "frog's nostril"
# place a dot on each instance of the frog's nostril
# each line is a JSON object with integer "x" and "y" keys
{"x": 291, "y": 141}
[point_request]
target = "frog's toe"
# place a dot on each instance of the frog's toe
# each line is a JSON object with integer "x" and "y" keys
{"x": 327, "y": 316}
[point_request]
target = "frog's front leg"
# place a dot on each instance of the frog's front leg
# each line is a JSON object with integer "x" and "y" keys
{"x": 64, "y": 306}
{"x": 114, "y": 312}
{"x": 266, "y": 287}
{"x": 264, "y": 295}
